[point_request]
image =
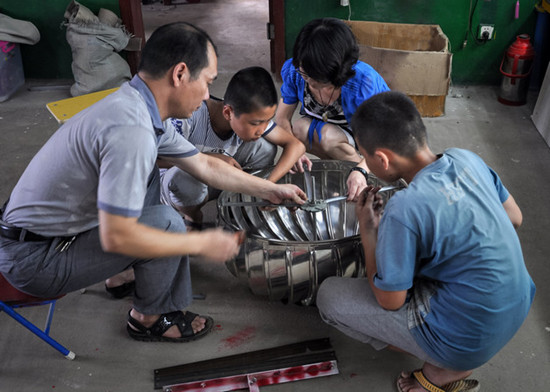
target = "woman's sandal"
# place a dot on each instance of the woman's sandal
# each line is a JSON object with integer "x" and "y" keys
{"x": 455, "y": 386}
{"x": 121, "y": 291}
{"x": 180, "y": 319}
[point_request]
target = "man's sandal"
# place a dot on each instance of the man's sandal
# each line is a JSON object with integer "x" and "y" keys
{"x": 455, "y": 386}
{"x": 178, "y": 318}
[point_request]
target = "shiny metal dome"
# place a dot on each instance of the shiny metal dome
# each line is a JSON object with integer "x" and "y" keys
{"x": 287, "y": 254}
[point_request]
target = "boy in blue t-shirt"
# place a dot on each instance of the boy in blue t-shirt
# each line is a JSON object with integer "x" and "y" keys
{"x": 445, "y": 275}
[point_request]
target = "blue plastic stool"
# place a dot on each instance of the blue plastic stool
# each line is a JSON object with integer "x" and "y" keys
{"x": 11, "y": 298}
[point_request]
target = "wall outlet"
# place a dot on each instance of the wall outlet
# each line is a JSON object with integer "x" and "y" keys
{"x": 486, "y": 32}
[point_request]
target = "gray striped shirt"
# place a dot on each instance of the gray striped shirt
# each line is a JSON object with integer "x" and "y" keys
{"x": 198, "y": 130}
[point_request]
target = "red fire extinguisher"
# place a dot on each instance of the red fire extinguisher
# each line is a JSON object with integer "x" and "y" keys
{"x": 516, "y": 67}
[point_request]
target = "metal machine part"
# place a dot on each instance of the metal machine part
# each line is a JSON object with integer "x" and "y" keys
{"x": 251, "y": 370}
{"x": 287, "y": 254}
{"x": 310, "y": 205}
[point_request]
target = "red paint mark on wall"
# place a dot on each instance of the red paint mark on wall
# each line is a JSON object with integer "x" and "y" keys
{"x": 240, "y": 337}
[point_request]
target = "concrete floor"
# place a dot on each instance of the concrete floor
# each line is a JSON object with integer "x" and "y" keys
{"x": 93, "y": 325}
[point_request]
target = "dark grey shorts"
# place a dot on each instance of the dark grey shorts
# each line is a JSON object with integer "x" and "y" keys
{"x": 41, "y": 269}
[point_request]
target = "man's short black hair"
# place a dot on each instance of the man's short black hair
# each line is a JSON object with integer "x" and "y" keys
{"x": 174, "y": 43}
{"x": 326, "y": 49}
{"x": 389, "y": 120}
{"x": 249, "y": 90}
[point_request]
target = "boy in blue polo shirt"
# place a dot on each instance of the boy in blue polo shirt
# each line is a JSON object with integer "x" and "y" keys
{"x": 445, "y": 275}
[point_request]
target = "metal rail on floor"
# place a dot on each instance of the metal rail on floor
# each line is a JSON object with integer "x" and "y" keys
{"x": 294, "y": 362}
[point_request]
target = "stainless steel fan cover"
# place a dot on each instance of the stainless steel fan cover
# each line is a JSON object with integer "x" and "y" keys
{"x": 287, "y": 254}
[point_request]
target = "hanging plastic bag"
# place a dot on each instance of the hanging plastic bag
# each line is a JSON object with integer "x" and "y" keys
{"x": 18, "y": 31}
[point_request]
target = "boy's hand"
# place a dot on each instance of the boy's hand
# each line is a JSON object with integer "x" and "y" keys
{"x": 300, "y": 163}
{"x": 369, "y": 209}
{"x": 226, "y": 159}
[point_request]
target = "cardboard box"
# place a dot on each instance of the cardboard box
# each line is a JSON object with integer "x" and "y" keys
{"x": 413, "y": 59}
{"x": 11, "y": 69}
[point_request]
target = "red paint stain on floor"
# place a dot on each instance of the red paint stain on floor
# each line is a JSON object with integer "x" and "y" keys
{"x": 239, "y": 338}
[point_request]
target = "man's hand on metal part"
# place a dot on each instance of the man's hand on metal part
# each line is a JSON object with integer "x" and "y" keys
{"x": 226, "y": 247}
{"x": 287, "y": 192}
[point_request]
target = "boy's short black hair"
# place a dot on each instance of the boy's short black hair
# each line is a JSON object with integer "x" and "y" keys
{"x": 326, "y": 49}
{"x": 389, "y": 120}
{"x": 173, "y": 43}
{"x": 249, "y": 90}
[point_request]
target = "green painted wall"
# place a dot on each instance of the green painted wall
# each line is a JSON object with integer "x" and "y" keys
{"x": 51, "y": 57}
{"x": 473, "y": 64}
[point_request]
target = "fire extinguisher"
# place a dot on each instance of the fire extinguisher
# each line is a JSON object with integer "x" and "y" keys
{"x": 516, "y": 67}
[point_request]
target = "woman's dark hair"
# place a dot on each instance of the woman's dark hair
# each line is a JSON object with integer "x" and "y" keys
{"x": 389, "y": 120}
{"x": 326, "y": 50}
{"x": 174, "y": 43}
{"x": 249, "y": 90}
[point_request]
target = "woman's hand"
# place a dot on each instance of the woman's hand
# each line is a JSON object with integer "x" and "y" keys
{"x": 355, "y": 183}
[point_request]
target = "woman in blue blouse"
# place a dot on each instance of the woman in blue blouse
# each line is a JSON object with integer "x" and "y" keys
{"x": 327, "y": 78}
